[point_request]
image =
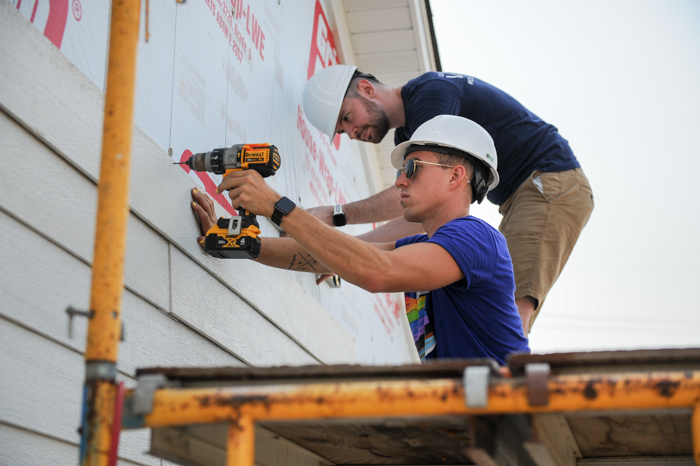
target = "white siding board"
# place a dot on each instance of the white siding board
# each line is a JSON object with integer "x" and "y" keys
{"x": 19, "y": 447}
{"x": 41, "y": 383}
{"x": 69, "y": 104}
{"x": 48, "y": 94}
{"x": 42, "y": 388}
{"x": 59, "y": 202}
{"x": 34, "y": 270}
{"x": 146, "y": 263}
{"x": 155, "y": 339}
{"x": 152, "y": 338}
{"x": 282, "y": 300}
{"x": 228, "y": 320}
{"x": 43, "y": 190}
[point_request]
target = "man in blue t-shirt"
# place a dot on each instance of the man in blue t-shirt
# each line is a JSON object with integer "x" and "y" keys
{"x": 475, "y": 316}
{"x": 543, "y": 194}
{"x": 460, "y": 268}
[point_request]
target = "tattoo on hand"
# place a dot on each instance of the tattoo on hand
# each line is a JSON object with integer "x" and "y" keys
{"x": 302, "y": 263}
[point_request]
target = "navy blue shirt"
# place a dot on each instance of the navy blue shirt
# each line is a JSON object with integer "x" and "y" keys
{"x": 524, "y": 143}
{"x": 475, "y": 317}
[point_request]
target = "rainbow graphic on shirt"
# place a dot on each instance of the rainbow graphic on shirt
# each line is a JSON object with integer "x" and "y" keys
{"x": 421, "y": 327}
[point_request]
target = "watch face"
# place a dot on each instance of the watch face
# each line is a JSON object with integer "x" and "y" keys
{"x": 339, "y": 220}
{"x": 285, "y": 206}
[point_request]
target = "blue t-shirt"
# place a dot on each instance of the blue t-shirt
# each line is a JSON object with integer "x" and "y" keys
{"x": 524, "y": 143}
{"x": 475, "y": 317}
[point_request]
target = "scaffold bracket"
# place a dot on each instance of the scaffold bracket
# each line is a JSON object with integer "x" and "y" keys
{"x": 537, "y": 374}
{"x": 476, "y": 384}
{"x": 145, "y": 389}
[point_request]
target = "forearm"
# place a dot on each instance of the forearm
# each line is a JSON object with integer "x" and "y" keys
{"x": 392, "y": 231}
{"x": 287, "y": 253}
{"x": 358, "y": 262}
{"x": 382, "y": 206}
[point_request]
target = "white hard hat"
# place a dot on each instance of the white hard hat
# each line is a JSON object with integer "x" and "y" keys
{"x": 324, "y": 94}
{"x": 459, "y": 133}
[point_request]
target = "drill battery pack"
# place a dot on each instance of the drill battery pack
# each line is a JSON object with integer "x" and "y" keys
{"x": 234, "y": 238}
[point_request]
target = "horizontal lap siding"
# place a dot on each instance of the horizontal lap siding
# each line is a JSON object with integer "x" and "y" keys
{"x": 63, "y": 109}
{"x": 180, "y": 307}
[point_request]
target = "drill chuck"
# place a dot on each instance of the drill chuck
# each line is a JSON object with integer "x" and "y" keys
{"x": 215, "y": 161}
{"x": 202, "y": 163}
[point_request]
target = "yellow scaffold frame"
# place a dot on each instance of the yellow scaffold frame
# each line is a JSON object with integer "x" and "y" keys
{"x": 242, "y": 407}
{"x": 98, "y": 442}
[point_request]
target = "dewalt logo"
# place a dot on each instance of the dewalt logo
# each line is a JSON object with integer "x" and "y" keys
{"x": 257, "y": 155}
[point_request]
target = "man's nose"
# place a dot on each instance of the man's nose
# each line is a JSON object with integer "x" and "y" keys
{"x": 401, "y": 181}
{"x": 345, "y": 128}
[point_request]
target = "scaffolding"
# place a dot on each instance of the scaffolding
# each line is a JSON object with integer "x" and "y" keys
{"x": 493, "y": 399}
{"x": 541, "y": 409}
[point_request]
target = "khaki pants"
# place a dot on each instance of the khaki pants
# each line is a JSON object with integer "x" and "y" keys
{"x": 542, "y": 221}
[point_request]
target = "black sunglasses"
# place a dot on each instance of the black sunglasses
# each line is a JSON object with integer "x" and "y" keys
{"x": 410, "y": 167}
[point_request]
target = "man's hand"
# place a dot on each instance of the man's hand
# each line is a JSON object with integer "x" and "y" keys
{"x": 323, "y": 213}
{"x": 248, "y": 189}
{"x": 203, "y": 206}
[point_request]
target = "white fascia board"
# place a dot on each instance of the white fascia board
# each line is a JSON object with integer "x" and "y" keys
{"x": 421, "y": 29}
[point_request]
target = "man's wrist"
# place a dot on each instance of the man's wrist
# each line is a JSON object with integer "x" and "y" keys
{"x": 283, "y": 207}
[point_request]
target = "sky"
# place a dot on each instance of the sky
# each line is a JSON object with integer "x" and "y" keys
{"x": 621, "y": 81}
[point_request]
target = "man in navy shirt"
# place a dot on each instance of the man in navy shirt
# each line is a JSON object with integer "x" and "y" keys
{"x": 460, "y": 268}
{"x": 543, "y": 194}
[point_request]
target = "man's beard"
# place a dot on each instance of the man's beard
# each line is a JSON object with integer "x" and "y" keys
{"x": 378, "y": 121}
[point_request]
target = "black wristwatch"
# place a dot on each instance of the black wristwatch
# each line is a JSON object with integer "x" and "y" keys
{"x": 282, "y": 208}
{"x": 339, "y": 216}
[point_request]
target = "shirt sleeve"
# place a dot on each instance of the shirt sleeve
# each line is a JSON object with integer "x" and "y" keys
{"x": 431, "y": 98}
{"x": 471, "y": 245}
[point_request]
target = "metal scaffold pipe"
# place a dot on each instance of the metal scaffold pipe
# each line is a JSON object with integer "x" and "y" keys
{"x": 243, "y": 406}
{"x": 566, "y": 393}
{"x": 104, "y": 327}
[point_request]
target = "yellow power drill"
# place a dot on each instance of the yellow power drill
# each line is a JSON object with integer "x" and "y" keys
{"x": 236, "y": 237}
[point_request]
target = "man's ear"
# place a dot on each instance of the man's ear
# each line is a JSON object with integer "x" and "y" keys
{"x": 365, "y": 88}
{"x": 459, "y": 173}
